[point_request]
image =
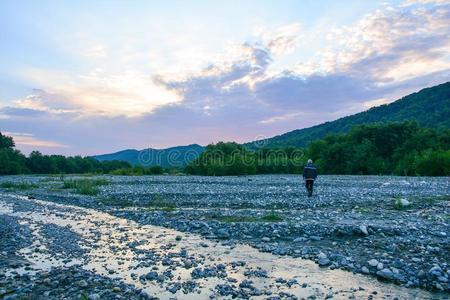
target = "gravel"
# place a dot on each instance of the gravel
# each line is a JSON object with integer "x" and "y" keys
{"x": 353, "y": 223}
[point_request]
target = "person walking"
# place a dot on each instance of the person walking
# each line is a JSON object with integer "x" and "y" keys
{"x": 309, "y": 175}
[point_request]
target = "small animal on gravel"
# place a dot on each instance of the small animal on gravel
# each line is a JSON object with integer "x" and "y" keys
{"x": 309, "y": 175}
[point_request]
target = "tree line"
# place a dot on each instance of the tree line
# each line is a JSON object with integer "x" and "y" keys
{"x": 12, "y": 161}
{"x": 402, "y": 148}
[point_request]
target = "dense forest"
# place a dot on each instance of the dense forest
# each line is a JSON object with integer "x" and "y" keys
{"x": 234, "y": 159}
{"x": 393, "y": 148}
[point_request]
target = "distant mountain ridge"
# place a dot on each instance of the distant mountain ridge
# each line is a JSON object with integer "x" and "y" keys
{"x": 430, "y": 107}
{"x": 170, "y": 157}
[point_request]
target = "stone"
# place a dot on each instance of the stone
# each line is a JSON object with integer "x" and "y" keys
{"x": 323, "y": 262}
{"x": 380, "y": 266}
{"x": 82, "y": 283}
{"x": 265, "y": 239}
{"x": 299, "y": 240}
{"x": 178, "y": 238}
{"x": 373, "y": 262}
{"x": 116, "y": 289}
{"x": 402, "y": 202}
{"x": 386, "y": 274}
{"x": 151, "y": 275}
{"x": 363, "y": 229}
{"x": 365, "y": 270}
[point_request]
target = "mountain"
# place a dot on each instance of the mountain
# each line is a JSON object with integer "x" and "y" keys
{"x": 430, "y": 107}
{"x": 170, "y": 157}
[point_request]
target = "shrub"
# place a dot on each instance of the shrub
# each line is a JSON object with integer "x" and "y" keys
{"x": 85, "y": 186}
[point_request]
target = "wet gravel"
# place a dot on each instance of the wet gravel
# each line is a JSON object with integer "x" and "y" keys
{"x": 66, "y": 283}
{"x": 354, "y": 223}
{"x": 13, "y": 237}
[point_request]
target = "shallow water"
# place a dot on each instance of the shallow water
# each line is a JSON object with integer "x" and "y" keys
{"x": 106, "y": 239}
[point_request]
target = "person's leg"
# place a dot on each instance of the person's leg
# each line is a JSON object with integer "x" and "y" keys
{"x": 309, "y": 187}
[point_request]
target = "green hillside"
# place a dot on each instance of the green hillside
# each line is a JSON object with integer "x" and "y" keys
{"x": 429, "y": 107}
{"x": 166, "y": 158}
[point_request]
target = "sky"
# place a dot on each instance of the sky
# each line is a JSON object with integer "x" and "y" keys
{"x": 94, "y": 77}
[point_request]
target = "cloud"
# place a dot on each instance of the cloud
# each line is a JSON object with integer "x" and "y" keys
{"x": 282, "y": 40}
{"x": 239, "y": 95}
{"x": 393, "y": 44}
{"x": 130, "y": 94}
{"x": 394, "y": 49}
{"x": 95, "y": 51}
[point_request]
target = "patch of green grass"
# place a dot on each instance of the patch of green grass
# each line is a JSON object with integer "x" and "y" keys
{"x": 433, "y": 200}
{"x": 272, "y": 217}
{"x": 84, "y": 296}
{"x": 234, "y": 219}
{"x": 160, "y": 203}
{"x": 17, "y": 186}
{"x": 85, "y": 186}
{"x": 362, "y": 210}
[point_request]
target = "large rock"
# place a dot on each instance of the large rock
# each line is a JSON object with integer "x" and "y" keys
{"x": 363, "y": 229}
{"x": 386, "y": 274}
{"x": 373, "y": 262}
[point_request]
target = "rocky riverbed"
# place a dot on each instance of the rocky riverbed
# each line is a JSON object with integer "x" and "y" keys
{"x": 256, "y": 236}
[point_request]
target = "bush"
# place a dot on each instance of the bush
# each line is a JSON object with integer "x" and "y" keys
{"x": 85, "y": 186}
{"x": 138, "y": 171}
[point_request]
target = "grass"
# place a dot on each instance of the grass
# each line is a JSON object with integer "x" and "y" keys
{"x": 160, "y": 203}
{"x": 17, "y": 186}
{"x": 85, "y": 186}
{"x": 433, "y": 200}
{"x": 157, "y": 203}
{"x": 362, "y": 210}
{"x": 234, "y": 219}
{"x": 271, "y": 217}
{"x": 417, "y": 201}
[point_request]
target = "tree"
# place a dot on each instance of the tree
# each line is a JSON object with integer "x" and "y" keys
{"x": 6, "y": 142}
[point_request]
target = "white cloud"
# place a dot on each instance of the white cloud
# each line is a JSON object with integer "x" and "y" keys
{"x": 131, "y": 94}
{"x": 389, "y": 45}
{"x": 282, "y": 40}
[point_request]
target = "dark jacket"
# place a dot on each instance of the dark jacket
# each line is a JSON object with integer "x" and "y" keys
{"x": 310, "y": 172}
